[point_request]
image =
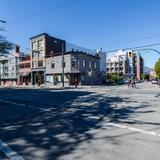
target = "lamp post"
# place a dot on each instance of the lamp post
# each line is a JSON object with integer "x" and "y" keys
{"x": 62, "y": 65}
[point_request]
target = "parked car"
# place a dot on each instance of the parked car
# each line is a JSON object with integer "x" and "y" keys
{"x": 126, "y": 81}
{"x": 154, "y": 81}
{"x": 120, "y": 82}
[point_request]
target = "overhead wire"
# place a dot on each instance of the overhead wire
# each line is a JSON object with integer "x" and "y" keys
{"x": 44, "y": 11}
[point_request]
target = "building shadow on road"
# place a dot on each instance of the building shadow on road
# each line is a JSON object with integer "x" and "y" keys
{"x": 52, "y": 124}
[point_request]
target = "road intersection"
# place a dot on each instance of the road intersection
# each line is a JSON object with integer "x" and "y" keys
{"x": 109, "y": 122}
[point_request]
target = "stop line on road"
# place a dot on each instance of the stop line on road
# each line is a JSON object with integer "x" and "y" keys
{"x": 151, "y": 133}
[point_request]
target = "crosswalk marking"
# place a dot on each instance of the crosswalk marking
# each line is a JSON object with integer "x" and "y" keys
{"x": 12, "y": 155}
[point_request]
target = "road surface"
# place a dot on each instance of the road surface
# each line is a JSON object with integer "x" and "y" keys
{"x": 88, "y": 123}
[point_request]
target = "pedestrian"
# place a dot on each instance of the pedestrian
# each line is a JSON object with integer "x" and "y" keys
{"x": 133, "y": 83}
{"x": 76, "y": 82}
{"x": 129, "y": 82}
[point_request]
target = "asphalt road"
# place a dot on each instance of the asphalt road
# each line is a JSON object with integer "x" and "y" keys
{"x": 98, "y": 123}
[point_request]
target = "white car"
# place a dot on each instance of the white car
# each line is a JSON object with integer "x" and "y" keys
{"x": 155, "y": 81}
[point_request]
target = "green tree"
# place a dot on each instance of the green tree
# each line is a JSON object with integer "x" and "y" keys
{"x": 5, "y": 45}
{"x": 157, "y": 68}
{"x": 114, "y": 76}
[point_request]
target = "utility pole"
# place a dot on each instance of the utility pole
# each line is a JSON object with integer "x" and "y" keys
{"x": 62, "y": 65}
{"x": 2, "y": 21}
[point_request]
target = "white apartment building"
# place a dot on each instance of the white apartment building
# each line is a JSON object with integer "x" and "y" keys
{"x": 9, "y": 69}
{"x": 125, "y": 62}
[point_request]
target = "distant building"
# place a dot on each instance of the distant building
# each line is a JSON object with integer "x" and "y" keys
{"x": 128, "y": 63}
{"x": 152, "y": 74}
{"x": 102, "y": 56}
{"x": 78, "y": 66}
{"x": 24, "y": 70}
{"x": 9, "y": 68}
{"x": 138, "y": 66}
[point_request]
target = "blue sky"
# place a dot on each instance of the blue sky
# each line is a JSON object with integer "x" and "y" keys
{"x": 110, "y": 24}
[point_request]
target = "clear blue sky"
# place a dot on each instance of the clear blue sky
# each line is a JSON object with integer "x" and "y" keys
{"x": 111, "y": 24}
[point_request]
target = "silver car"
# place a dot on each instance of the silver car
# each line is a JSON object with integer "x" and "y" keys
{"x": 155, "y": 81}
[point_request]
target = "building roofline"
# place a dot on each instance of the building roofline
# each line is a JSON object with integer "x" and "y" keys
{"x": 45, "y": 34}
{"x": 38, "y": 35}
{"x": 74, "y": 53}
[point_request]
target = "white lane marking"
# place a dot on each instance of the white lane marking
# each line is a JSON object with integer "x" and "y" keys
{"x": 151, "y": 133}
{"x": 12, "y": 155}
{"x": 26, "y": 105}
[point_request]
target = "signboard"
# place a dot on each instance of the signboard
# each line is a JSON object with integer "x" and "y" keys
{"x": 91, "y": 73}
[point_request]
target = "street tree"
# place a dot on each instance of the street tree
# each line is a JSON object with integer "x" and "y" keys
{"x": 5, "y": 45}
{"x": 114, "y": 76}
{"x": 157, "y": 68}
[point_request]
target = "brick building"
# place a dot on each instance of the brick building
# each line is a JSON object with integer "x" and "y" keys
{"x": 24, "y": 70}
{"x": 41, "y": 47}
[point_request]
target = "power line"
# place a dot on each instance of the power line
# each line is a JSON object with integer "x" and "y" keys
{"x": 131, "y": 40}
{"x": 44, "y": 11}
{"x": 2, "y": 21}
{"x": 136, "y": 47}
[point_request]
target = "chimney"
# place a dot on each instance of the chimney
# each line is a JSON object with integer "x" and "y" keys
{"x": 17, "y": 49}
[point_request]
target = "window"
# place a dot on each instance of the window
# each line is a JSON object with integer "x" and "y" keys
{"x": 41, "y": 54}
{"x": 35, "y": 65}
{"x": 90, "y": 64}
{"x": 35, "y": 54}
{"x": 49, "y": 78}
{"x": 27, "y": 65}
{"x": 52, "y": 64}
{"x": 40, "y": 43}
{"x": 34, "y": 45}
{"x": 40, "y": 63}
{"x": 21, "y": 66}
{"x": 6, "y": 74}
{"x": 6, "y": 68}
{"x": 73, "y": 64}
{"x": 84, "y": 63}
{"x": 95, "y": 65}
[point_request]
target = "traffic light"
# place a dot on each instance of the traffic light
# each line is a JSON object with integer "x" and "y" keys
{"x": 130, "y": 54}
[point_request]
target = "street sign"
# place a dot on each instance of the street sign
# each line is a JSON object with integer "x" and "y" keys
{"x": 89, "y": 73}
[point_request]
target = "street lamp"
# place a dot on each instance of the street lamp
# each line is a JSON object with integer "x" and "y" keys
{"x": 62, "y": 62}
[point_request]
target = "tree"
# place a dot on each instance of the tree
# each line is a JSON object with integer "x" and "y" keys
{"x": 5, "y": 45}
{"x": 114, "y": 76}
{"x": 157, "y": 68}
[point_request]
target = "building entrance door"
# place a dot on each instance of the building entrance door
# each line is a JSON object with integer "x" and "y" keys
{"x": 36, "y": 79}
